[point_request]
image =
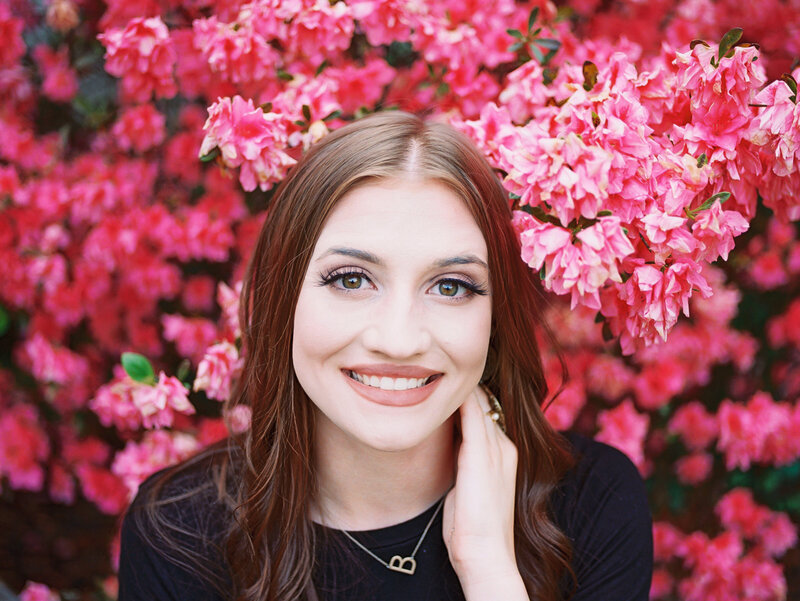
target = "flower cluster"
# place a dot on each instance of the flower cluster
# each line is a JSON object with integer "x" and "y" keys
{"x": 142, "y": 55}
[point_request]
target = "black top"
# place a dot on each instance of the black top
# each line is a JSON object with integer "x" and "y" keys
{"x": 601, "y": 506}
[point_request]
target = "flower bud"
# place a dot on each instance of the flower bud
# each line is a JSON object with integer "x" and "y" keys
{"x": 62, "y": 15}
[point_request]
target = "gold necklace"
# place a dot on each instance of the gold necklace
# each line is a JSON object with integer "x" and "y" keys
{"x": 398, "y": 563}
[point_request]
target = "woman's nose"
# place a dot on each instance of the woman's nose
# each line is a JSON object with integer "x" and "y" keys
{"x": 397, "y": 328}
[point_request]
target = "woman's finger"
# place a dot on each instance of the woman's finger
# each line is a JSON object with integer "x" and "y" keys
{"x": 473, "y": 430}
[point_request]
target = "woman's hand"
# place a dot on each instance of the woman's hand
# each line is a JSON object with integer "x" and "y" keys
{"x": 478, "y": 517}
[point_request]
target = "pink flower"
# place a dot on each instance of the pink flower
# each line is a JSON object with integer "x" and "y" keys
{"x": 386, "y": 21}
{"x": 659, "y": 381}
{"x": 198, "y": 293}
{"x": 141, "y": 54}
{"x": 667, "y": 541}
{"x": 577, "y": 269}
{"x": 13, "y": 46}
{"x": 139, "y": 128}
{"x": 778, "y": 535}
{"x": 60, "y": 81}
{"x": 238, "y": 418}
{"x": 218, "y": 370}
{"x": 102, "y": 488}
{"x": 191, "y": 335}
{"x": 649, "y": 302}
{"x": 158, "y": 449}
{"x": 34, "y": 591}
{"x": 566, "y": 173}
{"x": 696, "y": 427}
{"x": 361, "y": 86}
{"x": 661, "y": 584}
{"x": 524, "y": 91}
{"x": 564, "y": 408}
{"x": 24, "y": 445}
{"x": 760, "y": 431}
{"x": 113, "y": 403}
{"x": 239, "y": 51}
{"x": 624, "y": 428}
{"x": 693, "y": 469}
{"x": 490, "y": 132}
{"x": 248, "y": 138}
{"x": 50, "y": 363}
{"x": 228, "y": 300}
{"x": 158, "y": 402}
{"x": 720, "y": 95}
{"x": 320, "y": 29}
{"x": 62, "y": 485}
{"x": 777, "y": 126}
{"x": 715, "y": 230}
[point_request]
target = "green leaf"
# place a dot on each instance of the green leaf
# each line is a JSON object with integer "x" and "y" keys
{"x": 321, "y": 68}
{"x": 790, "y": 81}
{"x": 604, "y": 213}
{"x": 307, "y": 113}
{"x": 266, "y": 107}
{"x": 532, "y": 17}
{"x": 515, "y": 46}
{"x": 182, "y": 372}
{"x": 332, "y": 116}
{"x": 719, "y": 196}
{"x": 549, "y": 43}
{"x": 285, "y": 76}
{"x": 590, "y": 72}
{"x": 515, "y": 33}
{"x": 595, "y": 119}
{"x": 536, "y": 53}
{"x": 549, "y": 75}
{"x": 138, "y": 368}
{"x": 729, "y": 40}
{"x": 694, "y": 43}
{"x": 702, "y": 160}
{"x": 542, "y": 273}
{"x": 5, "y": 321}
{"x": 211, "y": 155}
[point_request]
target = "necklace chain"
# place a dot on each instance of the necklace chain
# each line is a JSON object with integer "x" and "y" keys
{"x": 398, "y": 563}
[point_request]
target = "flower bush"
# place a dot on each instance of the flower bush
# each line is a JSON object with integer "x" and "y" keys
{"x": 651, "y": 153}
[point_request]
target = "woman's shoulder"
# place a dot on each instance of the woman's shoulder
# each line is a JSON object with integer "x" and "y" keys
{"x": 172, "y": 535}
{"x": 601, "y": 505}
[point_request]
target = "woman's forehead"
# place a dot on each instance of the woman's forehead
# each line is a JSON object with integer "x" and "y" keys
{"x": 403, "y": 217}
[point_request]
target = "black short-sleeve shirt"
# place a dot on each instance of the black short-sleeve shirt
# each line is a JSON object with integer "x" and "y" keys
{"x": 600, "y": 505}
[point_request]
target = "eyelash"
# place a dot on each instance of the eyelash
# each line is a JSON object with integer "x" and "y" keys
{"x": 329, "y": 278}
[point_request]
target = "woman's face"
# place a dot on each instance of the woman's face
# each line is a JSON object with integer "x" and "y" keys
{"x": 392, "y": 324}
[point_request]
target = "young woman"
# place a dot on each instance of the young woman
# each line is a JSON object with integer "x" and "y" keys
{"x": 397, "y": 449}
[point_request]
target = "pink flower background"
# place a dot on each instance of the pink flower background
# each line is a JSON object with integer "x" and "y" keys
{"x": 651, "y": 152}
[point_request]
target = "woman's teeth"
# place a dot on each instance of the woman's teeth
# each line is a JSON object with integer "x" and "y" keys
{"x": 385, "y": 383}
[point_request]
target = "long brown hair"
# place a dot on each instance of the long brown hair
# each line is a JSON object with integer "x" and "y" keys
{"x": 269, "y": 542}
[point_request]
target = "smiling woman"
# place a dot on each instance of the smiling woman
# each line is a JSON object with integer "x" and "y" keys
{"x": 384, "y": 313}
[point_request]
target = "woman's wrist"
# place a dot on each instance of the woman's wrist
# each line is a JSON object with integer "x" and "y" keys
{"x": 489, "y": 583}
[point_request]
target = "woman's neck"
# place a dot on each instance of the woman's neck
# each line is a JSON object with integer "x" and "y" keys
{"x": 361, "y": 488}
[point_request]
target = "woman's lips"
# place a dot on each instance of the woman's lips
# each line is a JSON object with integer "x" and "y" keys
{"x": 393, "y": 398}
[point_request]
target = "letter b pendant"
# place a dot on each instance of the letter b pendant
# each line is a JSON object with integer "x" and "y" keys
{"x": 406, "y": 565}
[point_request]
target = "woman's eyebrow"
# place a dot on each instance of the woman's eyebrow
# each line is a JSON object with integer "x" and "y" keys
{"x": 370, "y": 258}
{"x": 352, "y": 252}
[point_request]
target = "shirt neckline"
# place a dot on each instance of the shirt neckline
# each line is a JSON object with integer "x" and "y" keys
{"x": 388, "y": 536}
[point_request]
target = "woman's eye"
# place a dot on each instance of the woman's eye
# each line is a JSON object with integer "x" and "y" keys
{"x": 448, "y": 287}
{"x": 352, "y": 281}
